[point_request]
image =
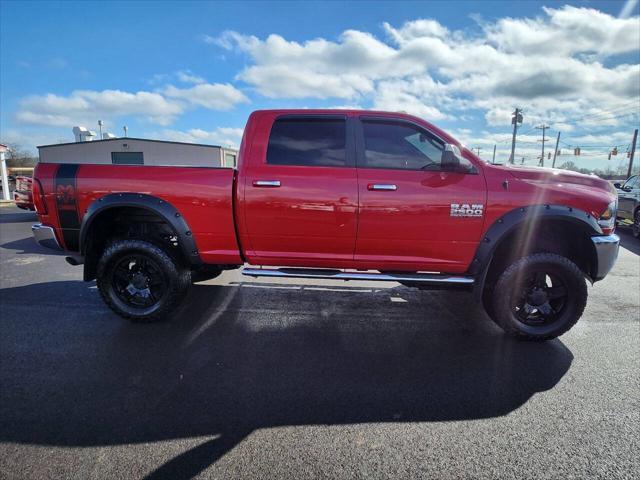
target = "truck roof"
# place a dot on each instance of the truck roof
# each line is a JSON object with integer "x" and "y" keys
{"x": 357, "y": 112}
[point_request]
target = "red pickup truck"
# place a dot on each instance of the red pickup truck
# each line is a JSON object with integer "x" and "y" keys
{"x": 335, "y": 194}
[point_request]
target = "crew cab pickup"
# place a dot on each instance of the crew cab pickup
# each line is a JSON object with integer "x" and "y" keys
{"x": 338, "y": 194}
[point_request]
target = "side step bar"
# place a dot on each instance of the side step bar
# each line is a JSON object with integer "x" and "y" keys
{"x": 424, "y": 278}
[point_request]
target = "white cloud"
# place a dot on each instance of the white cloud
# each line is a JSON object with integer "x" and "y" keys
{"x": 162, "y": 107}
{"x": 186, "y": 76}
{"x": 215, "y": 96}
{"x": 86, "y": 106}
{"x": 224, "y": 136}
{"x": 557, "y": 65}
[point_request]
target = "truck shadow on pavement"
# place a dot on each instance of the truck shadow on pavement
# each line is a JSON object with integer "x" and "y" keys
{"x": 238, "y": 358}
{"x": 30, "y": 246}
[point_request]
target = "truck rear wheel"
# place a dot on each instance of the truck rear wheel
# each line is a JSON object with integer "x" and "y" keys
{"x": 139, "y": 281}
{"x": 539, "y": 297}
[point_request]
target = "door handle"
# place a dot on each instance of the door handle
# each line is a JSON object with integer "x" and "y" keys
{"x": 266, "y": 183}
{"x": 382, "y": 186}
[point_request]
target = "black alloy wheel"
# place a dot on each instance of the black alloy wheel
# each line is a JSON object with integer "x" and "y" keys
{"x": 539, "y": 297}
{"x": 140, "y": 281}
{"x": 542, "y": 298}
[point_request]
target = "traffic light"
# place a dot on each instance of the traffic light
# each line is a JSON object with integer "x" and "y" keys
{"x": 614, "y": 151}
{"x": 576, "y": 151}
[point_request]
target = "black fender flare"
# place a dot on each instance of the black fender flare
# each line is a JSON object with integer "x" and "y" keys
{"x": 514, "y": 219}
{"x": 153, "y": 204}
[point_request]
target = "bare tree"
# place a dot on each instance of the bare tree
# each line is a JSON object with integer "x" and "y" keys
{"x": 19, "y": 157}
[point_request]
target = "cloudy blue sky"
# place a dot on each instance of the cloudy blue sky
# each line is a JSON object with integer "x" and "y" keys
{"x": 193, "y": 71}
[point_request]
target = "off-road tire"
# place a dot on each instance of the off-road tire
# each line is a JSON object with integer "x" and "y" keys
{"x": 175, "y": 277}
{"x": 503, "y": 296}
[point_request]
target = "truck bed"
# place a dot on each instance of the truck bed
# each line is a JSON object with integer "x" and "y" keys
{"x": 202, "y": 195}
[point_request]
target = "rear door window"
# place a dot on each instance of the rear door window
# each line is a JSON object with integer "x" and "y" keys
{"x": 312, "y": 142}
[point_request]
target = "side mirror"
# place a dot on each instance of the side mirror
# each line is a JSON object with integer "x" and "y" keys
{"x": 450, "y": 160}
{"x": 617, "y": 185}
{"x": 627, "y": 189}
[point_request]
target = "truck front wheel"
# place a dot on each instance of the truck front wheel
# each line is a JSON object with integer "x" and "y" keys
{"x": 139, "y": 281}
{"x": 539, "y": 297}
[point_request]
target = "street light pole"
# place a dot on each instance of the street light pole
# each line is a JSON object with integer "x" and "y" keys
{"x": 633, "y": 151}
{"x": 555, "y": 152}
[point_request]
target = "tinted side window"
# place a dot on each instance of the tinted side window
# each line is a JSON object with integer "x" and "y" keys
{"x": 127, "y": 158}
{"x": 308, "y": 142}
{"x": 399, "y": 145}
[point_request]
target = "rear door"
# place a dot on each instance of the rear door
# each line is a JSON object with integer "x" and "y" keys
{"x": 412, "y": 214}
{"x": 301, "y": 193}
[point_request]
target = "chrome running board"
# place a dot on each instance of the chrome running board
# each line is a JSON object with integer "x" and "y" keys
{"x": 424, "y": 278}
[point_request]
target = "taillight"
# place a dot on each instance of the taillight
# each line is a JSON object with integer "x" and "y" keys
{"x": 38, "y": 197}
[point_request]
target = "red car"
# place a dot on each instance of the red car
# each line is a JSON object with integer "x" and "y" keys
{"x": 334, "y": 194}
{"x": 22, "y": 195}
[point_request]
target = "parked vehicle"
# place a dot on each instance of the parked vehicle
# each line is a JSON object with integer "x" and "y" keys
{"x": 350, "y": 195}
{"x": 22, "y": 195}
{"x": 629, "y": 204}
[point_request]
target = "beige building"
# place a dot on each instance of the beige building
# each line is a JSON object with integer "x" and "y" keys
{"x": 139, "y": 151}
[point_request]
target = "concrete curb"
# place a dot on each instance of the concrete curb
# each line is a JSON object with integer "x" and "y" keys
{"x": 7, "y": 203}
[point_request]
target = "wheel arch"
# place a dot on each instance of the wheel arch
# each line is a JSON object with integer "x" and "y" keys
{"x": 525, "y": 230}
{"x": 103, "y": 208}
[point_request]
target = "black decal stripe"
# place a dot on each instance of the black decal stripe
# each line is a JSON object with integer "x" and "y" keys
{"x": 67, "y": 205}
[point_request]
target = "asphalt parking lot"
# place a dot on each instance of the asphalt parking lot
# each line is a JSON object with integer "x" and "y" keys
{"x": 307, "y": 379}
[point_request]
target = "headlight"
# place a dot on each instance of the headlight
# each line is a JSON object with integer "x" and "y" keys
{"x": 608, "y": 217}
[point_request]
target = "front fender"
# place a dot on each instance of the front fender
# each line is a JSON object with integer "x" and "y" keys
{"x": 515, "y": 219}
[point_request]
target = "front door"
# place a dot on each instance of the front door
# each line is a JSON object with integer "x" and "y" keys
{"x": 301, "y": 198}
{"x": 413, "y": 215}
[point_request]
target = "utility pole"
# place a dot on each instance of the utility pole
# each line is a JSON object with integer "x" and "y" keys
{"x": 555, "y": 152}
{"x": 478, "y": 150}
{"x": 544, "y": 128}
{"x": 517, "y": 118}
{"x": 494, "y": 154}
{"x": 633, "y": 151}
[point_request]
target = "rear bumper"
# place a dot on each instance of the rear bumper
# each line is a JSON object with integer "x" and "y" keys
{"x": 45, "y": 236}
{"x": 606, "y": 253}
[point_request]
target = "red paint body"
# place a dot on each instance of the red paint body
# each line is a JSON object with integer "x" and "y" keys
{"x": 328, "y": 216}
